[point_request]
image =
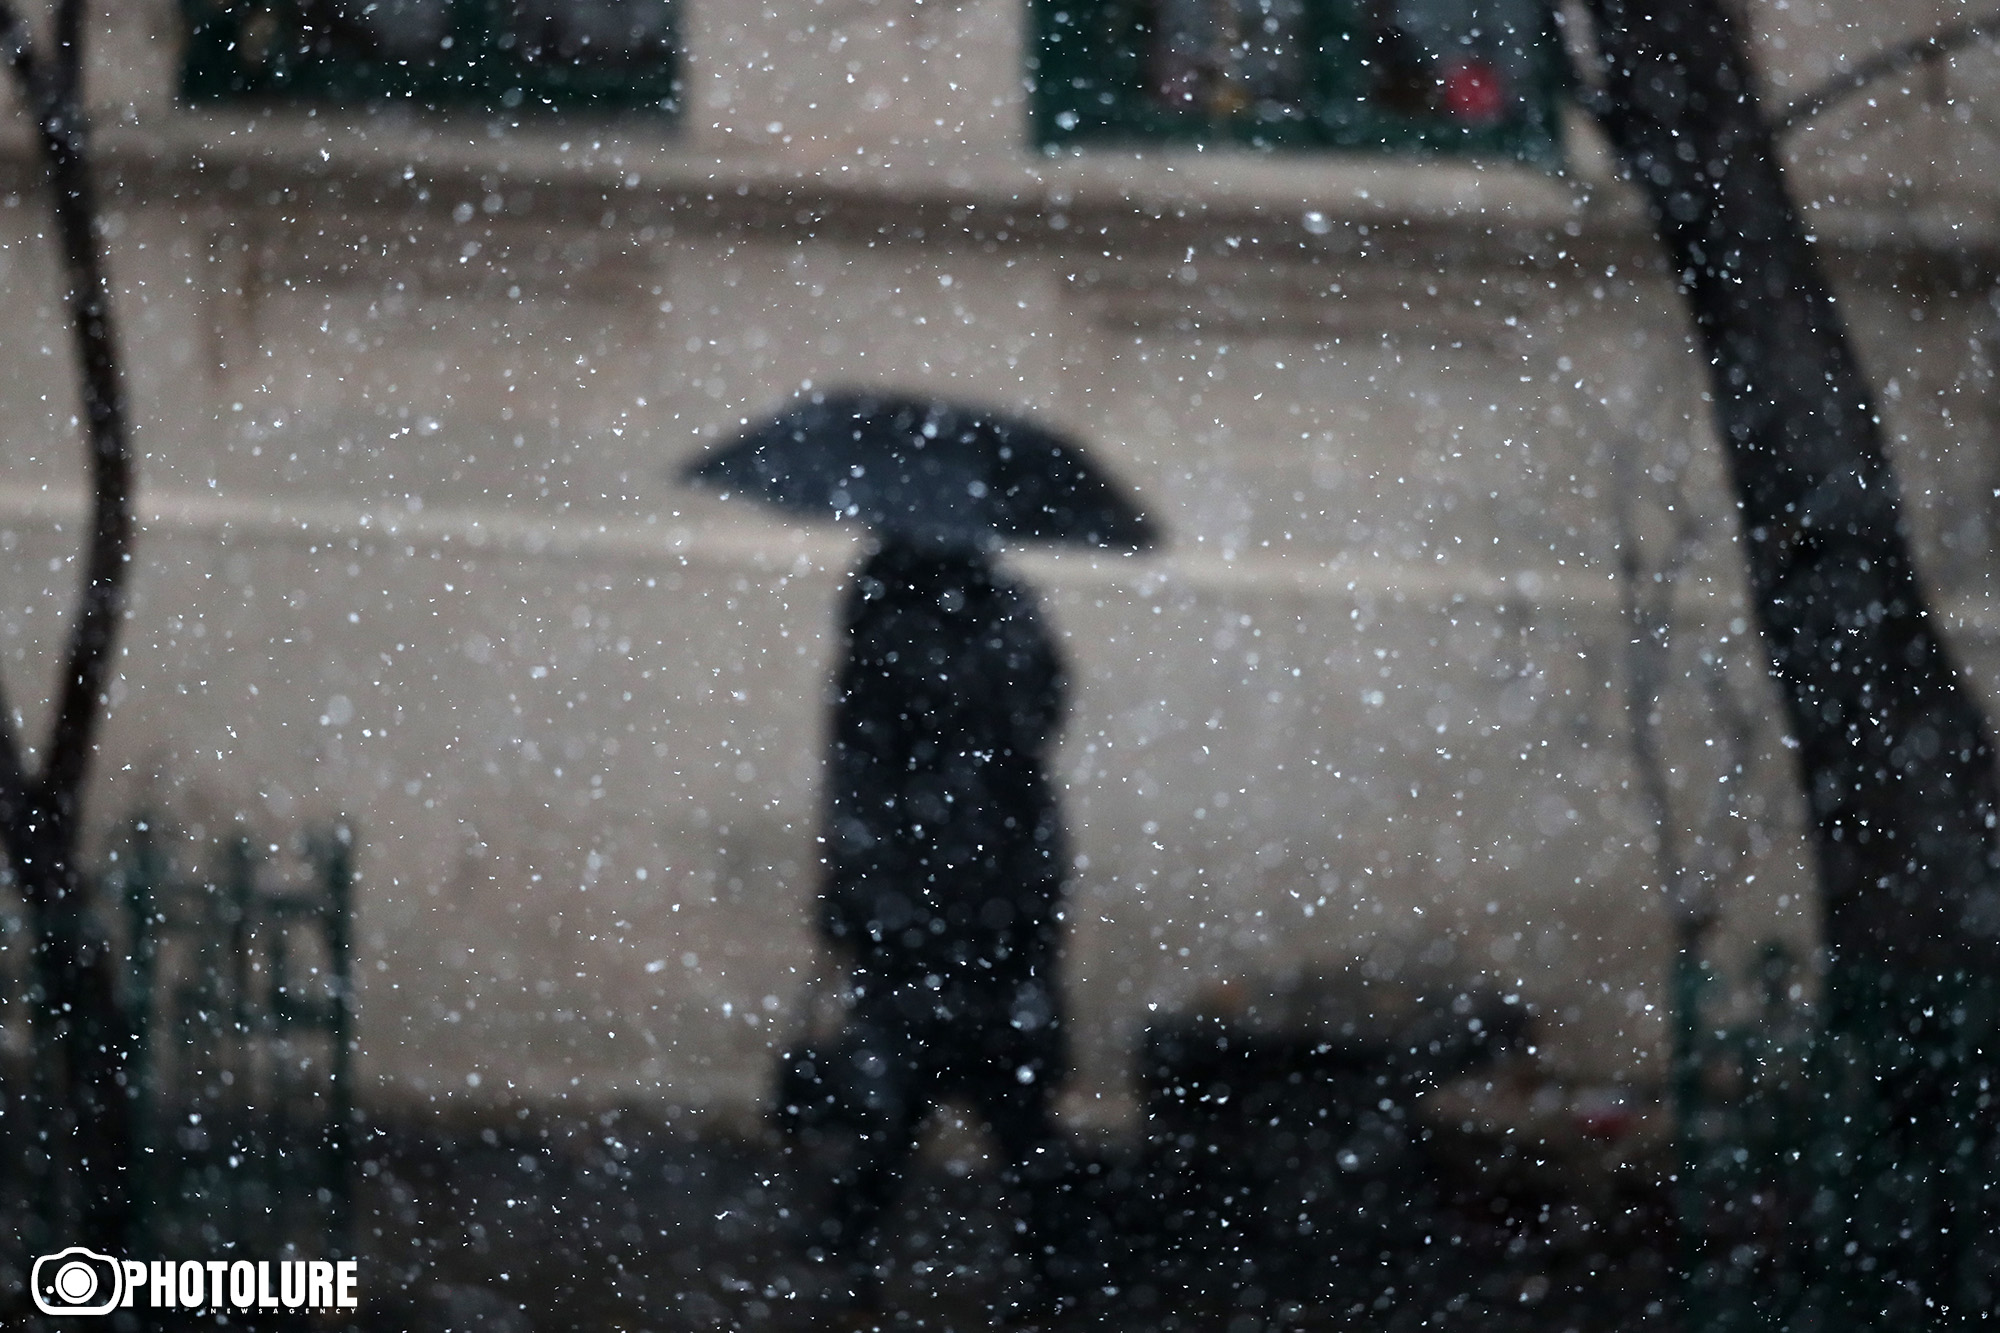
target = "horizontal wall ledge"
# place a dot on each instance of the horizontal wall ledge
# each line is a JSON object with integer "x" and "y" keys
{"x": 829, "y": 550}
{"x": 396, "y": 158}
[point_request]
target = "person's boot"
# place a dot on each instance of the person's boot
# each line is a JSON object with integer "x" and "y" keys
{"x": 849, "y": 1293}
{"x": 1032, "y": 1304}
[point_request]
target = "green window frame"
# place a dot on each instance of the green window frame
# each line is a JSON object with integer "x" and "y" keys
{"x": 1481, "y": 78}
{"x": 499, "y": 55}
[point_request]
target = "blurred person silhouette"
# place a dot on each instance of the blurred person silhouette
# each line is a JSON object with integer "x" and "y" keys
{"x": 943, "y": 846}
{"x": 943, "y": 889}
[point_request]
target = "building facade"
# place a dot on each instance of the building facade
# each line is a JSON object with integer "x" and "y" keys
{"x": 411, "y": 387}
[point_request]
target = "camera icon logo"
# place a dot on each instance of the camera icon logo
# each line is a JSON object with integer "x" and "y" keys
{"x": 77, "y": 1281}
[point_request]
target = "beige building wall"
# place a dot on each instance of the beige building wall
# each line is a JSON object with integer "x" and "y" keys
{"x": 409, "y": 393}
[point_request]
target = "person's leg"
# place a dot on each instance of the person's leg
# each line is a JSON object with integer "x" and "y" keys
{"x": 887, "y": 1098}
{"x": 1036, "y": 1170}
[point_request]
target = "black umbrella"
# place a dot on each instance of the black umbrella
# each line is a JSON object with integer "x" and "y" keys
{"x": 926, "y": 470}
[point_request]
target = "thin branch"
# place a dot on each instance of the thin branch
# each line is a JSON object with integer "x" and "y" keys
{"x": 69, "y": 37}
{"x": 54, "y": 95}
{"x": 79, "y": 1014}
{"x": 1883, "y": 63}
{"x": 80, "y": 708}
{"x": 17, "y": 48}
{"x": 1649, "y": 621}
{"x": 15, "y": 799}
{"x": 67, "y": 52}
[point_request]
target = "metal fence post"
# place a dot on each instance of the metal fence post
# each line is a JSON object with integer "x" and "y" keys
{"x": 141, "y": 876}
{"x": 337, "y": 878}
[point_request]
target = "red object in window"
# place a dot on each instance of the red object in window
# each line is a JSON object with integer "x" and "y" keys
{"x": 1475, "y": 91}
{"x": 1606, "y": 1123}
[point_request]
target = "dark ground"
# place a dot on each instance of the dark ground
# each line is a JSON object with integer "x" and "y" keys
{"x": 617, "y": 1226}
{"x": 1303, "y": 1205}
{"x": 635, "y": 1229}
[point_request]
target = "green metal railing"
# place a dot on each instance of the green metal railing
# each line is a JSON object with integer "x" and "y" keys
{"x": 1837, "y": 1162}
{"x": 241, "y": 1003}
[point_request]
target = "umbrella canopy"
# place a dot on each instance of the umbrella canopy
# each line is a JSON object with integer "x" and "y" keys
{"x": 926, "y": 470}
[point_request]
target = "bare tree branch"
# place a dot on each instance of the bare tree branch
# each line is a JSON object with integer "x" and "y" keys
{"x": 1894, "y": 756}
{"x": 14, "y": 795}
{"x": 54, "y": 90}
{"x": 1648, "y": 660}
{"x": 79, "y": 1013}
{"x": 1882, "y": 64}
{"x": 67, "y": 55}
{"x": 18, "y": 47}
{"x": 81, "y": 702}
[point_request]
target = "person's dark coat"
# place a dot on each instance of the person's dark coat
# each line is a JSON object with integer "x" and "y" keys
{"x": 944, "y": 848}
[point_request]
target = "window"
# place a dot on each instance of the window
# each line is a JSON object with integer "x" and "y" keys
{"x": 500, "y": 54}
{"x": 1469, "y": 76}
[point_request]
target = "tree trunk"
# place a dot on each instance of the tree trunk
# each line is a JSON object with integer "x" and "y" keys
{"x": 82, "y": 1025}
{"x": 1895, "y": 758}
